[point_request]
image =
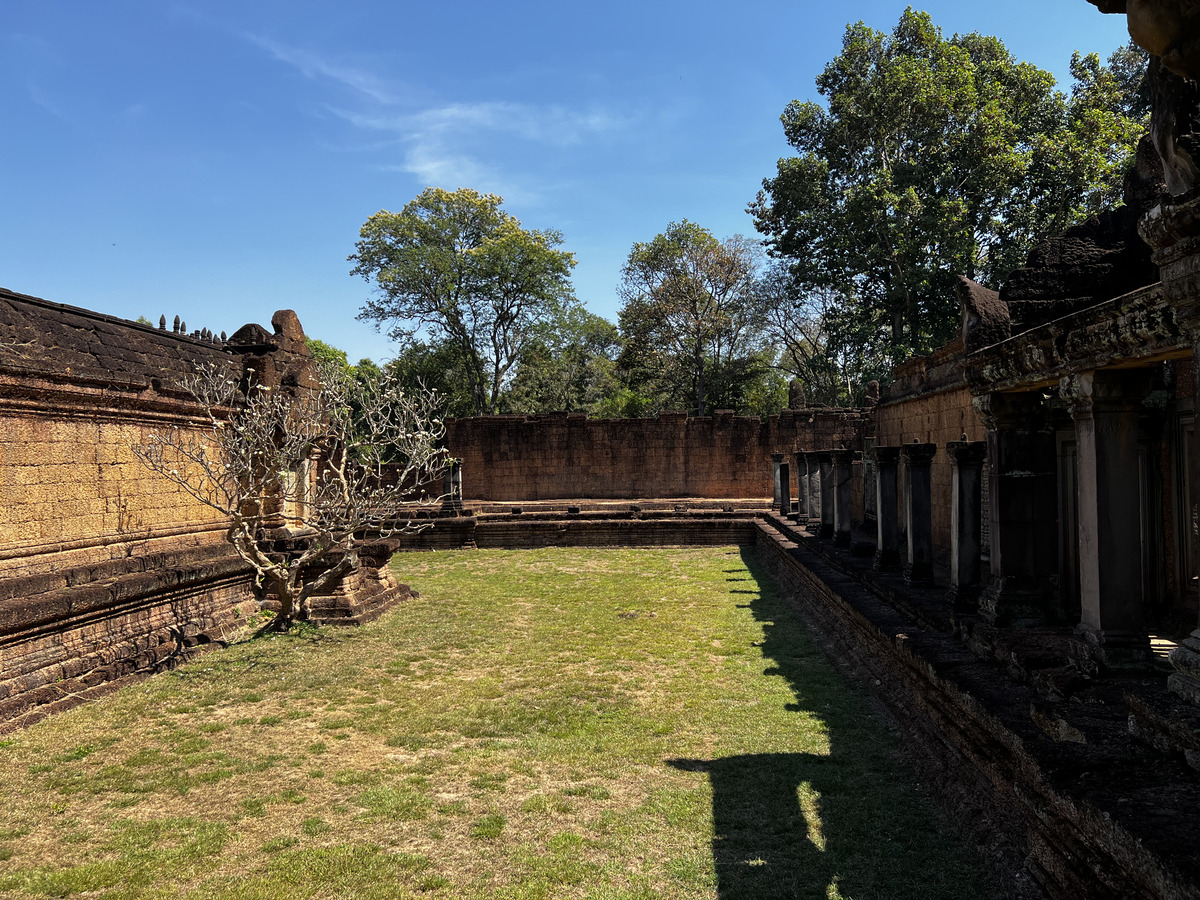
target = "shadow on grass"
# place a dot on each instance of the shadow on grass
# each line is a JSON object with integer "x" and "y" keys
{"x": 815, "y": 825}
{"x": 764, "y": 845}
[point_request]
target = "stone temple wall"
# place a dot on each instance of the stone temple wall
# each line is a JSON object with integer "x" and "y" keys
{"x": 106, "y": 569}
{"x": 929, "y": 402}
{"x": 515, "y": 458}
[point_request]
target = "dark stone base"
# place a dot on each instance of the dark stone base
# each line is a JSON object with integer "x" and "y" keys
{"x": 920, "y": 575}
{"x": 1003, "y": 605}
{"x": 1122, "y": 650}
{"x": 1185, "y": 682}
{"x": 964, "y": 598}
{"x": 887, "y": 560}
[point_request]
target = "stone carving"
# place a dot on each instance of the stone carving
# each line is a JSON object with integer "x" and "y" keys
{"x": 1097, "y": 260}
{"x": 985, "y": 319}
{"x": 1142, "y": 324}
{"x": 871, "y": 397}
{"x": 1170, "y": 31}
{"x": 1175, "y": 127}
{"x": 796, "y": 394}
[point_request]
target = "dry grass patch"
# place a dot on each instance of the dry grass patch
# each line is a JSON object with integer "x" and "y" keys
{"x": 554, "y": 723}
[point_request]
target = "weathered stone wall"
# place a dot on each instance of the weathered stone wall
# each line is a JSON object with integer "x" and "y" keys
{"x": 71, "y": 490}
{"x": 930, "y": 403}
{"x": 512, "y": 458}
{"x": 106, "y": 569}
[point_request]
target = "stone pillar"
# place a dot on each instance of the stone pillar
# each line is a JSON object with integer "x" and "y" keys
{"x": 887, "y": 509}
{"x": 918, "y": 512}
{"x": 1105, "y": 406}
{"x": 776, "y": 462}
{"x": 785, "y": 489}
{"x": 452, "y": 485}
{"x": 814, "y": 491}
{"x": 842, "y": 460}
{"x": 966, "y": 525}
{"x": 801, "y": 487}
{"x": 1172, "y": 229}
{"x": 828, "y": 489}
{"x": 1023, "y": 495}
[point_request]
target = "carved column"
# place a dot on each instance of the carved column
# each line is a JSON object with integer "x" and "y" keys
{"x": 801, "y": 487}
{"x": 842, "y": 461}
{"x": 815, "y": 510}
{"x": 785, "y": 489}
{"x": 452, "y": 486}
{"x": 1172, "y": 229}
{"x": 776, "y": 462}
{"x": 1105, "y": 408}
{"x": 1022, "y": 487}
{"x": 966, "y": 525}
{"x": 918, "y": 512}
{"x": 887, "y": 509}
{"x": 828, "y": 490}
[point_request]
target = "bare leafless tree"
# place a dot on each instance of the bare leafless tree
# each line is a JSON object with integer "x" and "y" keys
{"x": 323, "y": 467}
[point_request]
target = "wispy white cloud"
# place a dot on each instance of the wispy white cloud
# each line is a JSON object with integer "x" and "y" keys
{"x": 442, "y": 144}
{"x": 313, "y": 65}
{"x": 451, "y": 144}
{"x": 553, "y": 125}
{"x": 42, "y": 98}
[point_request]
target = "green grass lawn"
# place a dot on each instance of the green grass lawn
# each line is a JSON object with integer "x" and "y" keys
{"x": 594, "y": 724}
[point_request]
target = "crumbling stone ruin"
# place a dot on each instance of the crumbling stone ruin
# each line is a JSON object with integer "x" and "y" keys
{"x": 107, "y": 571}
{"x": 992, "y": 542}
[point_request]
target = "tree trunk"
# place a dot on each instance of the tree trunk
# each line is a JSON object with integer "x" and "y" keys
{"x": 285, "y": 591}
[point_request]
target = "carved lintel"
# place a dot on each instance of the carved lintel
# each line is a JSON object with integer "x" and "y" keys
{"x": 1025, "y": 411}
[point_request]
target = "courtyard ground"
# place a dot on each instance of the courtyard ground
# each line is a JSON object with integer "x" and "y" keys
{"x": 595, "y": 724}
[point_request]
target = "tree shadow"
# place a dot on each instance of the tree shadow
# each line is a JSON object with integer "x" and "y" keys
{"x": 822, "y": 824}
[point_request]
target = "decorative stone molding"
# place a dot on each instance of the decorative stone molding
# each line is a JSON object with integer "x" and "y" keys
{"x": 1143, "y": 326}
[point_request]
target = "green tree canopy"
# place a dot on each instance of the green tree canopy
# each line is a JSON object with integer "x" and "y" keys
{"x": 690, "y": 313}
{"x": 936, "y": 157}
{"x": 455, "y": 265}
{"x": 571, "y": 366}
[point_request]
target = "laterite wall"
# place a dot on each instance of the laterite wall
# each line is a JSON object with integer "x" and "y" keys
{"x": 929, "y": 403}
{"x": 513, "y": 458}
{"x": 107, "y": 570}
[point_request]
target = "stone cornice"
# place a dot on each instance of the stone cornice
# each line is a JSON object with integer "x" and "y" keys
{"x": 1141, "y": 327}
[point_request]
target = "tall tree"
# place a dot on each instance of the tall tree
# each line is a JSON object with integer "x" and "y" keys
{"x": 456, "y": 265}
{"x": 820, "y": 339}
{"x": 936, "y": 157}
{"x": 570, "y": 367}
{"x": 691, "y": 309}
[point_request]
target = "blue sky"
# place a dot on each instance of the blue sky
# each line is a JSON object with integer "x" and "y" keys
{"x": 216, "y": 159}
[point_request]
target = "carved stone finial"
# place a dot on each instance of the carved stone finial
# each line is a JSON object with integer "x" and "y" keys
{"x": 1175, "y": 126}
{"x": 985, "y": 318}
{"x": 223, "y": 338}
{"x": 796, "y": 399}
{"x": 871, "y": 397}
{"x": 176, "y": 327}
{"x": 162, "y": 322}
